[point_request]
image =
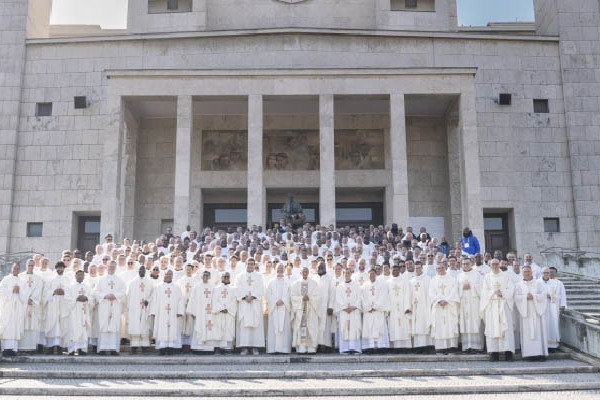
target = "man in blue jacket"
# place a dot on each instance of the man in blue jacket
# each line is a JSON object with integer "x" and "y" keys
{"x": 469, "y": 243}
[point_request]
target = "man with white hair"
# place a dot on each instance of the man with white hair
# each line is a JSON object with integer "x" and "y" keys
{"x": 553, "y": 294}
{"x": 531, "y": 300}
{"x": 33, "y": 313}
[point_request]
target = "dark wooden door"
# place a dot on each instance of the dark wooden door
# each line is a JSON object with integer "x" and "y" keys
{"x": 496, "y": 232}
{"x": 88, "y": 233}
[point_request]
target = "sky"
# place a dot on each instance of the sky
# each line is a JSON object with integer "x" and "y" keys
{"x": 112, "y": 14}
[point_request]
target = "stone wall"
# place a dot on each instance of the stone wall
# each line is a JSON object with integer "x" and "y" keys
{"x": 13, "y": 20}
{"x": 155, "y": 177}
{"x": 524, "y": 157}
{"x": 428, "y": 177}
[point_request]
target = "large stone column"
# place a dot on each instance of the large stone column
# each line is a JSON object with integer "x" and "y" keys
{"x": 183, "y": 164}
{"x": 471, "y": 200}
{"x": 111, "y": 170}
{"x": 256, "y": 186}
{"x": 397, "y": 191}
{"x": 327, "y": 161}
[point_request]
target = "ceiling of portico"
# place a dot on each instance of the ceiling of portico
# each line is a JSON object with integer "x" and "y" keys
{"x": 166, "y": 107}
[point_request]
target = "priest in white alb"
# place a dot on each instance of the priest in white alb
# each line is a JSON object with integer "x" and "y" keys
{"x": 469, "y": 290}
{"x": 552, "y": 317}
{"x": 110, "y": 293}
{"x": 78, "y": 296}
{"x": 305, "y": 308}
{"x": 224, "y": 307}
{"x": 279, "y": 305}
{"x": 13, "y": 303}
{"x": 199, "y": 306}
{"x": 57, "y": 310}
{"x": 421, "y": 310}
{"x": 33, "y": 313}
{"x": 139, "y": 294}
{"x": 531, "y": 300}
{"x": 497, "y": 301}
{"x": 400, "y": 318}
{"x": 445, "y": 302}
{"x": 250, "y": 331}
{"x": 167, "y": 307}
{"x": 327, "y": 321}
{"x": 187, "y": 283}
{"x": 375, "y": 305}
{"x": 348, "y": 307}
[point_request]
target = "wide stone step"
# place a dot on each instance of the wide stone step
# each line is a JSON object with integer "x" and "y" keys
{"x": 428, "y": 385}
{"x": 145, "y": 360}
{"x": 295, "y": 371}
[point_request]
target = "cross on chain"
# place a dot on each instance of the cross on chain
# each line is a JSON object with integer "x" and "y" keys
{"x": 30, "y": 282}
{"x": 188, "y": 286}
{"x": 207, "y": 293}
{"x": 348, "y": 292}
{"x": 224, "y": 293}
{"x": 250, "y": 281}
{"x": 168, "y": 292}
{"x": 142, "y": 286}
{"x": 373, "y": 290}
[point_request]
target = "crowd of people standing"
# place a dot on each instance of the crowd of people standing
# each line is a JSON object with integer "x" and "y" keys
{"x": 310, "y": 289}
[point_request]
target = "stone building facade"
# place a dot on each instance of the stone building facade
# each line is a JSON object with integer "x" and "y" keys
{"x": 209, "y": 112}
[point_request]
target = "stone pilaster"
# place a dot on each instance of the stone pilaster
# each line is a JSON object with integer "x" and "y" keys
{"x": 327, "y": 161}
{"x": 397, "y": 190}
{"x": 111, "y": 170}
{"x": 471, "y": 199}
{"x": 256, "y": 186}
{"x": 183, "y": 164}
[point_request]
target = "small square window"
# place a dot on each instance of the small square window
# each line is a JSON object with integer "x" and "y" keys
{"x": 34, "y": 229}
{"x": 541, "y": 106}
{"x": 43, "y": 109}
{"x": 172, "y": 4}
{"x": 410, "y": 3}
{"x": 505, "y": 99}
{"x": 551, "y": 225}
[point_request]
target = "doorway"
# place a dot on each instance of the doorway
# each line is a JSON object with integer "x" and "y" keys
{"x": 496, "y": 229}
{"x": 88, "y": 233}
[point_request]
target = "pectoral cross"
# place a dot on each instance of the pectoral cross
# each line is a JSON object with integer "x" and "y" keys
{"x": 168, "y": 292}
{"x": 112, "y": 285}
{"x": 29, "y": 282}
{"x": 373, "y": 290}
{"x": 142, "y": 286}
{"x": 250, "y": 281}
{"x": 416, "y": 287}
{"x": 206, "y": 293}
{"x": 188, "y": 286}
{"x": 348, "y": 292}
{"x": 209, "y": 325}
{"x": 224, "y": 293}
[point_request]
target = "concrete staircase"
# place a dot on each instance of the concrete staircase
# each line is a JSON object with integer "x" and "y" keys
{"x": 295, "y": 375}
{"x": 583, "y": 294}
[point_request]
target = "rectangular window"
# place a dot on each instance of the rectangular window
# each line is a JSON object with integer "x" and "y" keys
{"x": 493, "y": 223}
{"x": 410, "y": 3}
{"x": 541, "y": 106}
{"x": 43, "y": 109}
{"x": 34, "y": 229}
{"x": 172, "y": 4}
{"x": 169, "y": 6}
{"x": 551, "y": 225}
{"x": 230, "y": 215}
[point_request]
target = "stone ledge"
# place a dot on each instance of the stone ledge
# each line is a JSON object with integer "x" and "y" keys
{"x": 367, "y": 391}
{"x": 390, "y": 373}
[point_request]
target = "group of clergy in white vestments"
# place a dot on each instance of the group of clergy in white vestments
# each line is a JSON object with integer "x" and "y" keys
{"x": 278, "y": 308}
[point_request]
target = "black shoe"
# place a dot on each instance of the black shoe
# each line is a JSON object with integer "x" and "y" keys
{"x": 40, "y": 349}
{"x": 114, "y": 353}
{"x": 94, "y": 349}
{"x": 162, "y": 352}
{"x": 82, "y": 353}
{"x": 495, "y": 357}
{"x": 508, "y": 356}
{"x": 72, "y": 353}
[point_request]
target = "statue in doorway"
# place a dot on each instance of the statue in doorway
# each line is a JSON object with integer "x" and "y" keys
{"x": 293, "y": 213}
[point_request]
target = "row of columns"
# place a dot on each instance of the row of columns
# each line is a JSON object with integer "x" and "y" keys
{"x": 397, "y": 209}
